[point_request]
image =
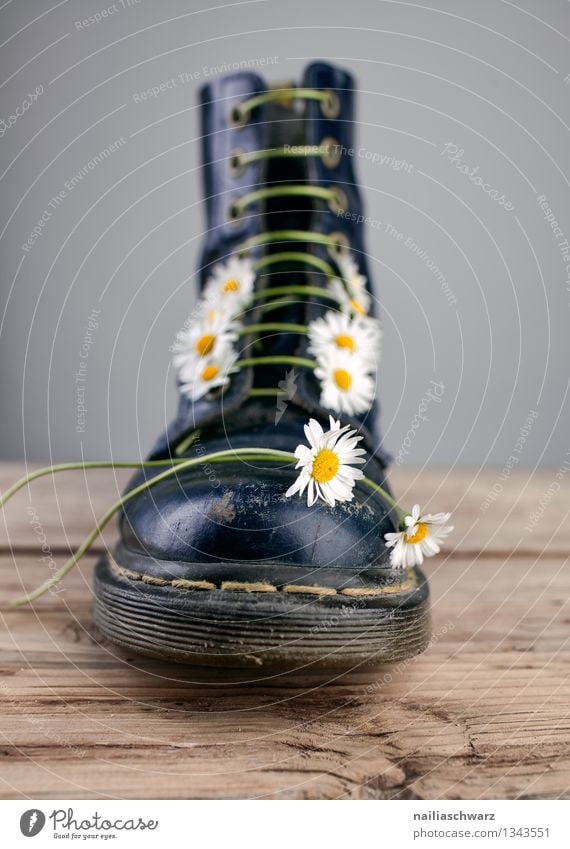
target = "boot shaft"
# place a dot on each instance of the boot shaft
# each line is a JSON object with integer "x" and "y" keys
{"x": 279, "y": 179}
{"x": 234, "y": 162}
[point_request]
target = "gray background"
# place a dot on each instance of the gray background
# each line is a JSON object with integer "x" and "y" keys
{"x": 491, "y": 78}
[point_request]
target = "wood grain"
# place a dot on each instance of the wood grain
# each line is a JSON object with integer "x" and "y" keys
{"x": 484, "y": 713}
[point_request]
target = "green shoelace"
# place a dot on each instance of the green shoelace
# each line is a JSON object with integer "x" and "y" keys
{"x": 335, "y": 198}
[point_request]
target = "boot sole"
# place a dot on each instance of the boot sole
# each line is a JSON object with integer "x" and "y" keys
{"x": 252, "y": 623}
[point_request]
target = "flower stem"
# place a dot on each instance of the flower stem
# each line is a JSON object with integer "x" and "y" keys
{"x": 69, "y": 467}
{"x": 176, "y": 465}
{"x": 386, "y": 496}
{"x": 218, "y": 456}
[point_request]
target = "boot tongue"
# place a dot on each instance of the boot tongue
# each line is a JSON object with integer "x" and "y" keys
{"x": 285, "y": 127}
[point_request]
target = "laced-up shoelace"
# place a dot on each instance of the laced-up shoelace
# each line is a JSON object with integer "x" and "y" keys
{"x": 345, "y": 386}
{"x": 336, "y": 243}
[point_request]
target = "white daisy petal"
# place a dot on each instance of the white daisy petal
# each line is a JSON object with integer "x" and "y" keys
{"x": 420, "y": 538}
{"x": 354, "y": 303}
{"x": 230, "y": 285}
{"x": 347, "y": 385}
{"x": 313, "y": 432}
{"x": 210, "y": 372}
{"x": 208, "y": 332}
{"x": 326, "y": 474}
{"x": 340, "y": 331}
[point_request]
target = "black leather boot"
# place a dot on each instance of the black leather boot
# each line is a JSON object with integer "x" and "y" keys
{"x": 226, "y": 563}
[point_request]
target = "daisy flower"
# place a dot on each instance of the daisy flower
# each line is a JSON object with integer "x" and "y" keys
{"x": 230, "y": 285}
{"x": 346, "y": 383}
{"x": 338, "y": 330}
{"x": 351, "y": 301}
{"x": 210, "y": 372}
{"x": 327, "y": 463}
{"x": 420, "y": 538}
{"x": 202, "y": 336}
{"x": 355, "y": 281}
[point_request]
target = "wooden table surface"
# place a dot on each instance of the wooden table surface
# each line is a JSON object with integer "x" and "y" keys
{"x": 483, "y": 713}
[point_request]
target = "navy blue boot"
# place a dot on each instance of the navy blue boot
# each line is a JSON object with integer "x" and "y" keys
{"x": 253, "y": 561}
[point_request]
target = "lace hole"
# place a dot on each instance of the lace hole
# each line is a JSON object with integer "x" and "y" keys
{"x": 339, "y": 246}
{"x": 333, "y": 154}
{"x": 236, "y": 166}
{"x": 330, "y": 107}
{"x": 237, "y": 117}
{"x": 235, "y": 213}
{"x": 338, "y": 203}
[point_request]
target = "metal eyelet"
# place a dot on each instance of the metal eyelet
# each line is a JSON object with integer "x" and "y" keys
{"x": 338, "y": 203}
{"x": 237, "y": 118}
{"x": 333, "y": 153}
{"x": 340, "y": 246}
{"x": 235, "y": 165}
{"x": 235, "y": 213}
{"x": 331, "y": 106}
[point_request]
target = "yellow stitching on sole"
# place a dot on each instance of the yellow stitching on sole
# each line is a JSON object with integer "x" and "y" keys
{"x": 308, "y": 590}
{"x": 372, "y": 591}
{"x": 248, "y": 587}
{"x": 184, "y": 584}
{"x": 265, "y": 587}
{"x": 156, "y": 582}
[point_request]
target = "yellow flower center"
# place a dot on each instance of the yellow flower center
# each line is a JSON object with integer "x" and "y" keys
{"x": 209, "y": 373}
{"x": 342, "y": 379}
{"x": 325, "y": 466}
{"x": 345, "y": 342}
{"x": 205, "y": 344}
{"x": 232, "y": 285}
{"x": 357, "y": 307}
{"x": 419, "y": 535}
